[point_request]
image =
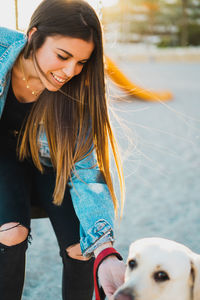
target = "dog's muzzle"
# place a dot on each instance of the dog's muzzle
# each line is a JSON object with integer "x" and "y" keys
{"x": 124, "y": 294}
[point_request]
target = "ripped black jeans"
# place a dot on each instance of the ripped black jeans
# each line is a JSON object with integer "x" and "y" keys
{"x": 21, "y": 186}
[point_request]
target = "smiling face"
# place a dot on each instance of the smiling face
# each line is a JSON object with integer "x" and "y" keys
{"x": 61, "y": 58}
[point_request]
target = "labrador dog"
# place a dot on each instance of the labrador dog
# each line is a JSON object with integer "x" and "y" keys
{"x": 160, "y": 269}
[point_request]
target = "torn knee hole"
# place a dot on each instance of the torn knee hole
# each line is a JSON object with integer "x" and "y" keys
{"x": 13, "y": 233}
{"x": 7, "y": 227}
{"x": 74, "y": 251}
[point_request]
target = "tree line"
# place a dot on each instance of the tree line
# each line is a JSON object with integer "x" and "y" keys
{"x": 163, "y": 22}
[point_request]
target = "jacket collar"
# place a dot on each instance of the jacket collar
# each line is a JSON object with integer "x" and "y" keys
{"x": 9, "y": 56}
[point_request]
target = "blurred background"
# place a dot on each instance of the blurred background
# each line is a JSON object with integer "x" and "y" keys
{"x": 164, "y": 23}
{"x": 155, "y": 47}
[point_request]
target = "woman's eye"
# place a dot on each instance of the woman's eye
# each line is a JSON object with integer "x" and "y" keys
{"x": 82, "y": 63}
{"x": 62, "y": 57}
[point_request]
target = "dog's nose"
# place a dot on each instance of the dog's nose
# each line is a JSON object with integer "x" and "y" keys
{"x": 125, "y": 294}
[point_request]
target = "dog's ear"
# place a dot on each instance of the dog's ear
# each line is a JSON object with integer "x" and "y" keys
{"x": 195, "y": 277}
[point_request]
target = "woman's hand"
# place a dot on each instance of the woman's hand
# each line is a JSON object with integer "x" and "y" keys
{"x": 111, "y": 275}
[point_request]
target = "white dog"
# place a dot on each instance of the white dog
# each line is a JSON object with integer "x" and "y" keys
{"x": 160, "y": 269}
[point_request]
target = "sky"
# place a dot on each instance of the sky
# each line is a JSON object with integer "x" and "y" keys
{"x": 26, "y": 8}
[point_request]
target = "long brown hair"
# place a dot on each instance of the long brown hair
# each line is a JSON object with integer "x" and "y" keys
{"x": 75, "y": 118}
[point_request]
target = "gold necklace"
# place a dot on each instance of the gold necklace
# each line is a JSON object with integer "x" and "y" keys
{"x": 33, "y": 92}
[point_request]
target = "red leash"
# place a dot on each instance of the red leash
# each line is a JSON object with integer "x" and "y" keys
{"x": 99, "y": 293}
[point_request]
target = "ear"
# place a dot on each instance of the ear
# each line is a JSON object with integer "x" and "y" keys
{"x": 195, "y": 277}
{"x": 31, "y": 32}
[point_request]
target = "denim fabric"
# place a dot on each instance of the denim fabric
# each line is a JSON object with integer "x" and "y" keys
{"x": 90, "y": 194}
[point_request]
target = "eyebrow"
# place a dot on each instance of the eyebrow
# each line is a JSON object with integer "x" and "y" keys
{"x": 71, "y": 55}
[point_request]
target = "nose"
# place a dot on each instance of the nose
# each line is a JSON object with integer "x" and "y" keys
{"x": 69, "y": 70}
{"x": 125, "y": 294}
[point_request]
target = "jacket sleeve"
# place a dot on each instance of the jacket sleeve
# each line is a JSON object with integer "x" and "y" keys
{"x": 93, "y": 204}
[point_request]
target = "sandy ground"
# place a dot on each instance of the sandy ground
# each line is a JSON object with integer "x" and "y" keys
{"x": 144, "y": 53}
{"x": 160, "y": 145}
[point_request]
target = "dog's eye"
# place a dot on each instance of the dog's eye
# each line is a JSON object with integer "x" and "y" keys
{"x": 132, "y": 264}
{"x": 161, "y": 276}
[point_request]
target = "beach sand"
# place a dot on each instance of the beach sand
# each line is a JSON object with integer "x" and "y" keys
{"x": 160, "y": 151}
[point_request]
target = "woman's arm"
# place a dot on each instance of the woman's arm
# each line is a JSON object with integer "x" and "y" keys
{"x": 93, "y": 205}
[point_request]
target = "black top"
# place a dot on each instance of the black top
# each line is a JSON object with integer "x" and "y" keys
{"x": 12, "y": 119}
{"x": 14, "y": 113}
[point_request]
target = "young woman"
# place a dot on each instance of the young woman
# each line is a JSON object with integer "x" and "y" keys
{"x": 55, "y": 134}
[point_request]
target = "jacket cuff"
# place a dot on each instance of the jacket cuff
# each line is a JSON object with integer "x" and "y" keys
{"x": 99, "y": 234}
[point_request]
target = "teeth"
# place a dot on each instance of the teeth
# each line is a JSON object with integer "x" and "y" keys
{"x": 57, "y": 78}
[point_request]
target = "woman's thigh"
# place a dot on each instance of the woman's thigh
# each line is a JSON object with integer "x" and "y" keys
{"x": 15, "y": 189}
{"x": 63, "y": 218}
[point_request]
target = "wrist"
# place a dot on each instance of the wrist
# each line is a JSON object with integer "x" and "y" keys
{"x": 101, "y": 248}
{"x": 104, "y": 254}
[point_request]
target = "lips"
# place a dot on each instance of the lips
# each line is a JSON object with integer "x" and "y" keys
{"x": 58, "y": 79}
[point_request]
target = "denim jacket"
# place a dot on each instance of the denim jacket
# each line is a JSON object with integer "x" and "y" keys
{"x": 90, "y": 195}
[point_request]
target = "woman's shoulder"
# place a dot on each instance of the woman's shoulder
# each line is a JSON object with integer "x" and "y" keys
{"x": 10, "y": 36}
